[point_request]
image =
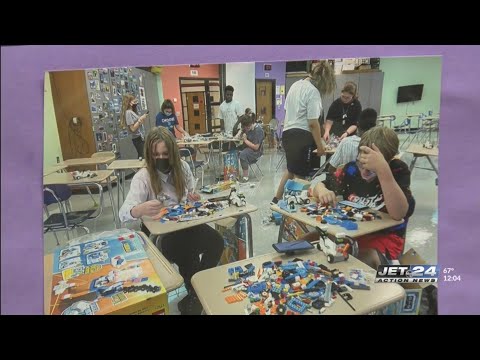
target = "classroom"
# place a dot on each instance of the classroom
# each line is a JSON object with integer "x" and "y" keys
{"x": 246, "y": 137}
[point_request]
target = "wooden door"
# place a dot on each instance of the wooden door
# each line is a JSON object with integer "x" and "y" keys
{"x": 265, "y": 98}
{"x": 69, "y": 93}
{"x": 197, "y": 119}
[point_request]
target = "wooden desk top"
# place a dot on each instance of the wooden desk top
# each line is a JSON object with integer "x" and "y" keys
{"x": 225, "y": 139}
{"x": 364, "y": 227}
{"x": 208, "y": 285}
{"x": 418, "y": 149}
{"x": 127, "y": 164}
{"x": 327, "y": 151}
{"x": 47, "y": 170}
{"x": 99, "y": 160}
{"x": 157, "y": 228}
{"x": 200, "y": 142}
{"x": 67, "y": 178}
{"x": 171, "y": 279}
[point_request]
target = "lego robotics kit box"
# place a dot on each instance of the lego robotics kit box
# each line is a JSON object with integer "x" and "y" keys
{"x": 107, "y": 273}
{"x": 230, "y": 168}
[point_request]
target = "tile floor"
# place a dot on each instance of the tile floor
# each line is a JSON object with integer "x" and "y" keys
{"x": 421, "y": 232}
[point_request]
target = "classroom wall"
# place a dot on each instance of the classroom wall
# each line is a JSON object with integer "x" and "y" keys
{"x": 401, "y": 71}
{"x": 242, "y": 77}
{"x": 51, "y": 140}
{"x": 159, "y": 89}
{"x": 278, "y": 74}
{"x": 171, "y": 84}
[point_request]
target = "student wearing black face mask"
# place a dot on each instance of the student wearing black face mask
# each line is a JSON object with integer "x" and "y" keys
{"x": 167, "y": 118}
{"x": 167, "y": 181}
{"x": 133, "y": 122}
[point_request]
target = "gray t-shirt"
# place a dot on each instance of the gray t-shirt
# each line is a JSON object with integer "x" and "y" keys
{"x": 256, "y": 136}
{"x": 131, "y": 118}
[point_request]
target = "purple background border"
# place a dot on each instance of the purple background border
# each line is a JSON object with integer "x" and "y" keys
{"x": 23, "y": 70}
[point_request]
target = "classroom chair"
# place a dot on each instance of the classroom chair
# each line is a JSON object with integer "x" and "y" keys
{"x": 67, "y": 220}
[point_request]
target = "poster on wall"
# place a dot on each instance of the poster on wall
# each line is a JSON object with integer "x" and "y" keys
{"x": 143, "y": 100}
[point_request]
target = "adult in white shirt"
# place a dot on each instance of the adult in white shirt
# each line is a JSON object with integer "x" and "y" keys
{"x": 167, "y": 181}
{"x": 301, "y": 129}
{"x": 230, "y": 110}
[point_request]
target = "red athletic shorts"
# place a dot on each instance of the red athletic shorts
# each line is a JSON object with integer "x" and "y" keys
{"x": 382, "y": 242}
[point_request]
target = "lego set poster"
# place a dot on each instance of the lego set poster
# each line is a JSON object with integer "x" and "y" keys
{"x": 106, "y": 275}
{"x": 230, "y": 169}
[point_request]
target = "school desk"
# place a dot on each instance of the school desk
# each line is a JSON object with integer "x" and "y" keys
{"x": 99, "y": 160}
{"x": 208, "y": 285}
{"x": 158, "y": 228}
{"x": 67, "y": 179}
{"x": 364, "y": 227}
{"x": 170, "y": 278}
{"x": 419, "y": 151}
{"x": 47, "y": 170}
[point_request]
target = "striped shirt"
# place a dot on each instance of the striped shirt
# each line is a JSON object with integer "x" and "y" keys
{"x": 346, "y": 152}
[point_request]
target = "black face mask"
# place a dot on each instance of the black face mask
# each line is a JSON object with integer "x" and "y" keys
{"x": 162, "y": 165}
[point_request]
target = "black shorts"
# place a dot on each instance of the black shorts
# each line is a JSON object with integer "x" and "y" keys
{"x": 298, "y": 145}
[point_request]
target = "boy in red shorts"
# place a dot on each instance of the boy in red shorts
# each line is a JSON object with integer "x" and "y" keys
{"x": 377, "y": 180}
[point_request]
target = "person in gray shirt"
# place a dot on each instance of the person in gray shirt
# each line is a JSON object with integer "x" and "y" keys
{"x": 130, "y": 119}
{"x": 252, "y": 148}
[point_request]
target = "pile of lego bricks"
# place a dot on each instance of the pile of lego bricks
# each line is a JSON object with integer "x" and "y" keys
{"x": 292, "y": 288}
{"x": 344, "y": 216}
{"x": 191, "y": 211}
{"x": 186, "y": 212}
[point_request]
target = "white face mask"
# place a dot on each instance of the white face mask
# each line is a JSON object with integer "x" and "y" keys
{"x": 168, "y": 113}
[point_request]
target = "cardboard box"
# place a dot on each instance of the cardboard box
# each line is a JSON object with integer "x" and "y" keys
{"x": 106, "y": 275}
{"x": 233, "y": 235}
{"x": 415, "y": 292}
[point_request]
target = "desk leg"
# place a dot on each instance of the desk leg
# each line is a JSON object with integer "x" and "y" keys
{"x": 109, "y": 184}
{"x": 117, "y": 173}
{"x": 250, "y": 235}
{"x": 433, "y": 166}
{"x": 280, "y": 230}
{"x": 123, "y": 186}
{"x": 412, "y": 164}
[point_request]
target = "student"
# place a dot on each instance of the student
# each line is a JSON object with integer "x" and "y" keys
{"x": 167, "y": 181}
{"x": 347, "y": 150}
{"x": 343, "y": 114}
{"x": 301, "y": 132}
{"x": 252, "y": 135}
{"x": 381, "y": 182}
{"x": 129, "y": 119}
{"x": 166, "y": 117}
{"x": 236, "y": 127}
{"x": 230, "y": 110}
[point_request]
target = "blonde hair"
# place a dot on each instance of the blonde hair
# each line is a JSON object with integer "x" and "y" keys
{"x": 155, "y": 136}
{"x": 127, "y": 99}
{"x": 384, "y": 138}
{"x": 323, "y": 77}
{"x": 351, "y": 88}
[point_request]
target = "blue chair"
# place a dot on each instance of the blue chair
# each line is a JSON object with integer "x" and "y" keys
{"x": 66, "y": 220}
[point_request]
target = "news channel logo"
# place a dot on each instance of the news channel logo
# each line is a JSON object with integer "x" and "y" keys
{"x": 407, "y": 274}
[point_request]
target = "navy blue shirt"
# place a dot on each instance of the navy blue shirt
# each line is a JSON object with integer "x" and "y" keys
{"x": 168, "y": 121}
